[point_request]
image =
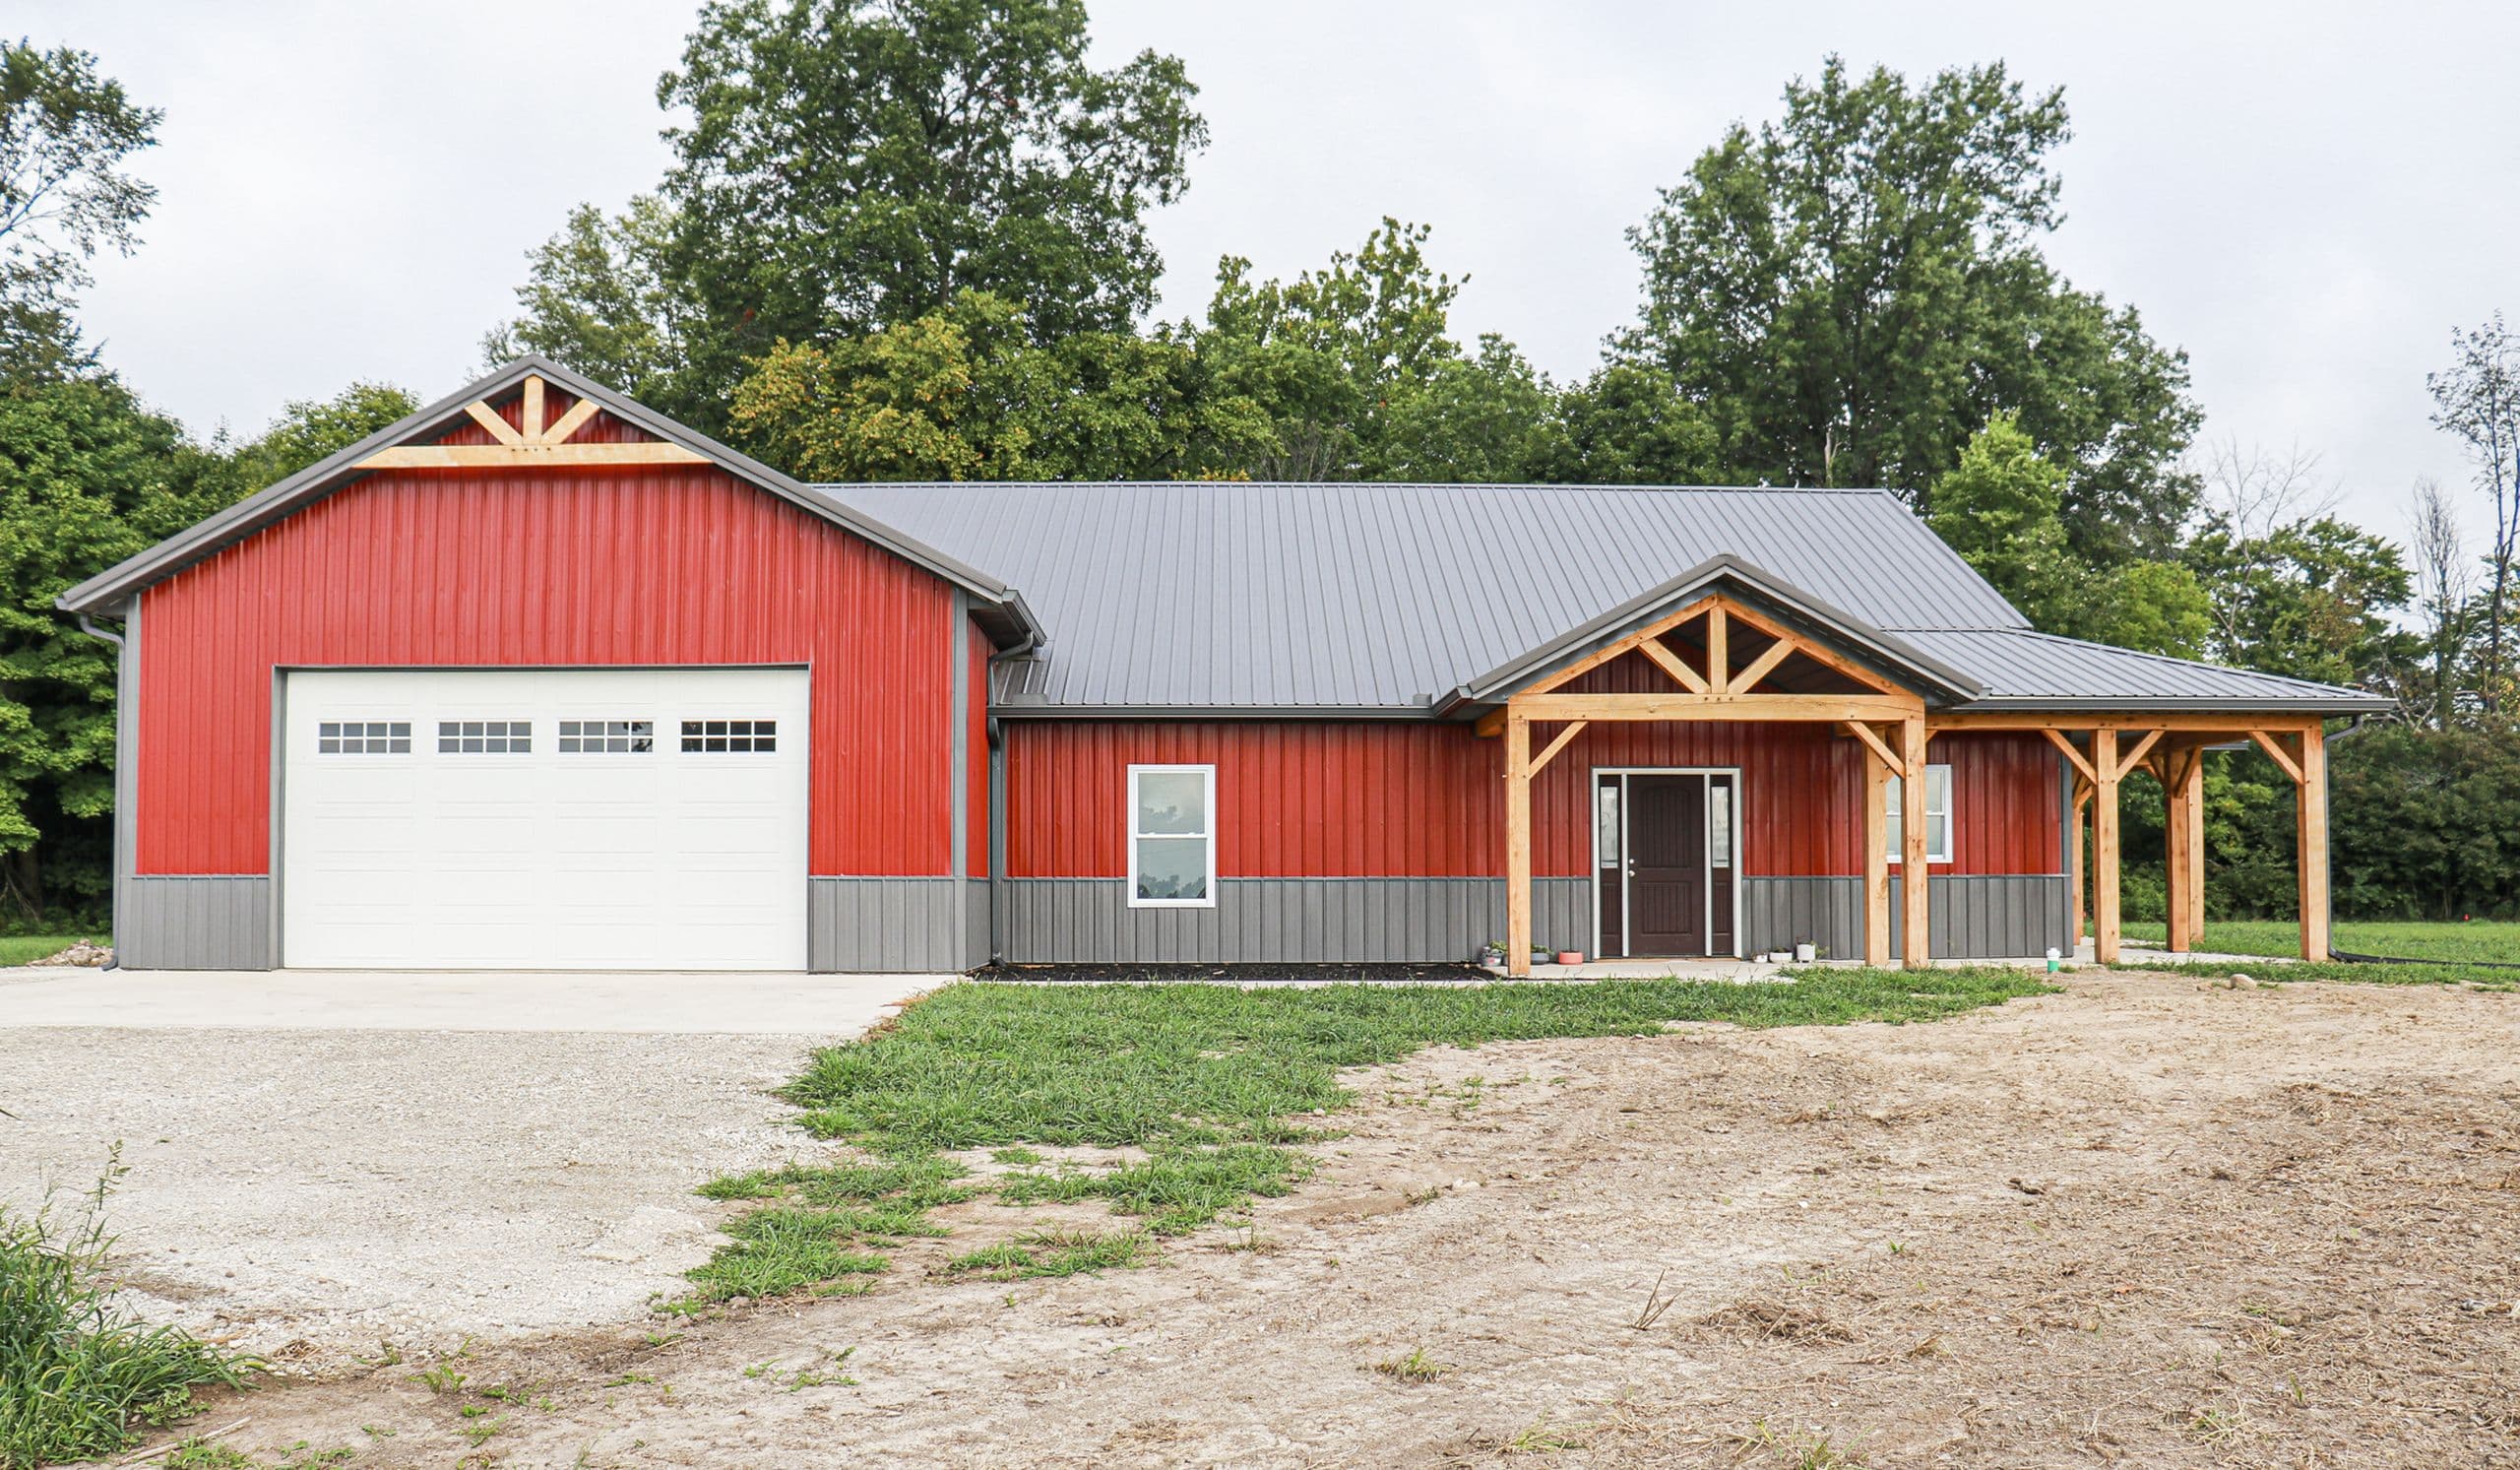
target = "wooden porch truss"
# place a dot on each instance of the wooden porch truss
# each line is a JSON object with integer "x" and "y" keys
{"x": 1881, "y": 715}
{"x": 535, "y": 444}
{"x": 1894, "y": 729}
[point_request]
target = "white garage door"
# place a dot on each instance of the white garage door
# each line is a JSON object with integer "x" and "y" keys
{"x": 529, "y": 820}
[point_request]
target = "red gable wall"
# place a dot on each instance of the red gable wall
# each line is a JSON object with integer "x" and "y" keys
{"x": 473, "y": 568}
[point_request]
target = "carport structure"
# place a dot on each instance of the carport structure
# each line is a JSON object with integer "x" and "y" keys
{"x": 1741, "y": 647}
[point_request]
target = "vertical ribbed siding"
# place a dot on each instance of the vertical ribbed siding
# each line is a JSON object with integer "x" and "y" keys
{"x": 212, "y": 922}
{"x": 1423, "y": 799}
{"x": 1283, "y": 920}
{"x": 1781, "y": 913}
{"x": 1997, "y": 917}
{"x": 631, "y": 567}
{"x": 884, "y": 926}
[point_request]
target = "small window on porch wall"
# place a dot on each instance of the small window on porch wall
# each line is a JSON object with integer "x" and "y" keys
{"x": 1173, "y": 841}
{"x": 1937, "y": 815}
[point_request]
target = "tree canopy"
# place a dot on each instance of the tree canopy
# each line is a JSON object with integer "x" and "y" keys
{"x": 849, "y": 167}
{"x": 1852, "y": 290}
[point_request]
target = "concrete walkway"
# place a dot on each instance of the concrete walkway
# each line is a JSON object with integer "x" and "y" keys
{"x": 712, "y": 1005}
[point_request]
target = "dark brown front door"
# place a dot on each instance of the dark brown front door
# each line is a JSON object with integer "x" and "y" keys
{"x": 1666, "y": 865}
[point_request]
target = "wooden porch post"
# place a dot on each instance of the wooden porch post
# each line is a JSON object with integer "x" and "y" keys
{"x": 2196, "y": 846}
{"x": 2176, "y": 856}
{"x": 1518, "y": 844}
{"x": 2311, "y": 809}
{"x": 1876, "y": 858}
{"x": 2104, "y": 845}
{"x": 1915, "y": 878}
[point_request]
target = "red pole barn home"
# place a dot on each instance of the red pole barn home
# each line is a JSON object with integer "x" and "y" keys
{"x": 537, "y": 678}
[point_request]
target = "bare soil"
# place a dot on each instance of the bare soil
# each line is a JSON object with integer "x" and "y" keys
{"x": 2150, "y": 1221}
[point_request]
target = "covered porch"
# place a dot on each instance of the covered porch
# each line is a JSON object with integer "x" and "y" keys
{"x": 1727, "y": 644}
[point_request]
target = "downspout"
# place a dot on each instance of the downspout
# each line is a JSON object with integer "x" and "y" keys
{"x": 997, "y": 802}
{"x": 122, "y": 751}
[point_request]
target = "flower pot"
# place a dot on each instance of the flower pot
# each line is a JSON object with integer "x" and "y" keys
{"x": 1570, "y": 956}
{"x": 1804, "y": 954}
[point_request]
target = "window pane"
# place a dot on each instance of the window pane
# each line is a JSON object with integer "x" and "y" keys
{"x": 1719, "y": 823}
{"x": 1606, "y": 824}
{"x": 1173, "y": 801}
{"x": 1938, "y": 790}
{"x": 1172, "y": 867}
{"x": 1896, "y": 805}
{"x": 1938, "y": 837}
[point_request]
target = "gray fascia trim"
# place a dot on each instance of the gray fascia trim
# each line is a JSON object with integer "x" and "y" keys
{"x": 1035, "y": 710}
{"x": 2307, "y": 704}
{"x": 341, "y": 468}
{"x": 1792, "y": 604}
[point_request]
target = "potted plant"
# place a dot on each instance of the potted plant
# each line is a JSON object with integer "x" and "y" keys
{"x": 1805, "y": 951}
{"x": 1494, "y": 956}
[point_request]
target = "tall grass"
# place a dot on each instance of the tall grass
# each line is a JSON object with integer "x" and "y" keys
{"x": 79, "y": 1374}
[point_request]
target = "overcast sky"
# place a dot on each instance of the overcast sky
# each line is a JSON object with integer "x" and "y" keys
{"x": 2305, "y": 197}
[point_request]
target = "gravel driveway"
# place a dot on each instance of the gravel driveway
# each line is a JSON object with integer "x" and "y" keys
{"x": 312, "y": 1190}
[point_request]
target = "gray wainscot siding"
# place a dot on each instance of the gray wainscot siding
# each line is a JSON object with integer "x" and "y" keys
{"x": 885, "y": 924}
{"x": 215, "y": 921}
{"x": 1283, "y": 920}
{"x": 1971, "y": 917}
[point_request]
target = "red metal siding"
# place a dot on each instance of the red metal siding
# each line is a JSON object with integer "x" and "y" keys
{"x": 665, "y": 566}
{"x": 1408, "y": 799}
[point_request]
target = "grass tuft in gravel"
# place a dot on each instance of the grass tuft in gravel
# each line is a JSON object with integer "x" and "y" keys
{"x": 1207, "y": 1081}
{"x": 77, "y": 1374}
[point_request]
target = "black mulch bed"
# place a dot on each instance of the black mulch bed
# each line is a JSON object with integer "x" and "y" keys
{"x": 1229, "y": 974}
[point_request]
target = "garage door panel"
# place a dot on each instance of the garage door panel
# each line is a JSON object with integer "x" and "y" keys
{"x": 544, "y": 858}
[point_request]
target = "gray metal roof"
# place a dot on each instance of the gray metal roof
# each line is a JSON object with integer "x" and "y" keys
{"x": 2024, "y": 670}
{"x": 1000, "y": 606}
{"x": 1378, "y": 599}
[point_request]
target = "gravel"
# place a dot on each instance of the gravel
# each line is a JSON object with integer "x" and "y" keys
{"x": 309, "y": 1192}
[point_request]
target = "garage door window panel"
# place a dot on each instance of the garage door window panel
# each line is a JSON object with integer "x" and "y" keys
{"x": 363, "y": 738}
{"x": 486, "y": 738}
{"x": 607, "y": 736}
{"x": 731, "y": 736}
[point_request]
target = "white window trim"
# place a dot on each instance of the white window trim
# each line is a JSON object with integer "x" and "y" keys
{"x": 1890, "y": 801}
{"x": 1208, "y": 773}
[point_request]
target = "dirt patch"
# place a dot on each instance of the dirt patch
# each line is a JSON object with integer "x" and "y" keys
{"x": 2145, "y": 1222}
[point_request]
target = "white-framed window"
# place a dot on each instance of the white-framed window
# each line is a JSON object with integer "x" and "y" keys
{"x": 1173, "y": 837}
{"x": 1937, "y": 815}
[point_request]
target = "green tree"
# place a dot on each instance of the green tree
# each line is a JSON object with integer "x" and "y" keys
{"x": 2311, "y": 600}
{"x": 1356, "y": 368}
{"x": 2000, "y": 507}
{"x": 1852, "y": 291}
{"x": 88, "y": 476}
{"x": 1629, "y": 423}
{"x": 850, "y": 166}
{"x": 65, "y": 131}
{"x": 966, "y": 394}
{"x": 309, "y": 429}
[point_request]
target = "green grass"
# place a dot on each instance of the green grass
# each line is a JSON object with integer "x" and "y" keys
{"x": 2487, "y": 940}
{"x": 1207, "y": 1081}
{"x": 78, "y": 1375}
{"x": 26, "y": 949}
